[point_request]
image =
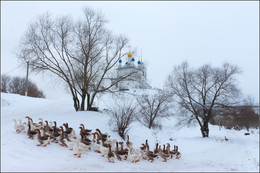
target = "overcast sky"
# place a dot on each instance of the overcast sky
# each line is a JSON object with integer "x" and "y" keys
{"x": 168, "y": 33}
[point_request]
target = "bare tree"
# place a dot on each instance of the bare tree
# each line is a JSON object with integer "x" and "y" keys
{"x": 5, "y": 80}
{"x": 204, "y": 90}
{"x": 153, "y": 107}
{"x": 123, "y": 112}
{"x": 245, "y": 116}
{"x": 81, "y": 53}
{"x": 17, "y": 86}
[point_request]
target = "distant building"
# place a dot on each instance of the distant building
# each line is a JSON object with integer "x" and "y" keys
{"x": 134, "y": 72}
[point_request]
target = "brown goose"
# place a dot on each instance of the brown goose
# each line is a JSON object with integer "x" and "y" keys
{"x": 119, "y": 154}
{"x": 86, "y": 130}
{"x": 55, "y": 134}
{"x": 85, "y": 140}
{"x": 128, "y": 143}
{"x": 44, "y": 132}
{"x": 155, "y": 151}
{"x": 30, "y": 133}
{"x": 49, "y": 130}
{"x": 104, "y": 136}
{"x": 62, "y": 137}
{"x": 123, "y": 151}
{"x": 42, "y": 139}
{"x": 164, "y": 156}
{"x": 110, "y": 155}
{"x": 151, "y": 156}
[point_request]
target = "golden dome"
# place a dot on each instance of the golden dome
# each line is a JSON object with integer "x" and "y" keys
{"x": 129, "y": 54}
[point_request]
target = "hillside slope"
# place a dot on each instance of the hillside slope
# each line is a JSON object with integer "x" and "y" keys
{"x": 18, "y": 153}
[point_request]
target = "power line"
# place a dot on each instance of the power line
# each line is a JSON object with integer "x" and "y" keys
{"x": 14, "y": 69}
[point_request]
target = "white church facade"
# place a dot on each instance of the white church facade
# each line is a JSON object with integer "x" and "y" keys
{"x": 132, "y": 73}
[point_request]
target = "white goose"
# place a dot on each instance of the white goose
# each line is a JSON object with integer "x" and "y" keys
{"x": 18, "y": 127}
{"x": 96, "y": 143}
{"x": 104, "y": 149}
{"x": 70, "y": 144}
{"x": 79, "y": 148}
{"x": 133, "y": 155}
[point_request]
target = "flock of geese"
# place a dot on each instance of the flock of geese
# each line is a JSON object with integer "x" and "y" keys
{"x": 49, "y": 132}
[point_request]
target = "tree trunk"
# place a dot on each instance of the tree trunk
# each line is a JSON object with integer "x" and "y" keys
{"x": 76, "y": 103}
{"x": 88, "y": 102}
{"x": 205, "y": 129}
{"x": 83, "y": 98}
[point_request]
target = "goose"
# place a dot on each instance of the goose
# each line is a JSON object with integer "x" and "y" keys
{"x": 164, "y": 156}
{"x": 18, "y": 127}
{"x": 85, "y": 141}
{"x": 104, "y": 136}
{"x": 68, "y": 130}
{"x": 35, "y": 125}
{"x": 25, "y": 127}
{"x": 29, "y": 121}
{"x": 49, "y": 130}
{"x": 143, "y": 152}
{"x": 82, "y": 132}
{"x": 62, "y": 137}
{"x": 44, "y": 132}
{"x": 51, "y": 123}
{"x": 172, "y": 153}
{"x": 226, "y": 139}
{"x": 79, "y": 148}
{"x": 164, "y": 150}
{"x": 155, "y": 151}
{"x": 97, "y": 146}
{"x": 119, "y": 154}
{"x": 72, "y": 134}
{"x": 55, "y": 134}
{"x": 70, "y": 144}
{"x": 151, "y": 156}
{"x": 110, "y": 155}
{"x": 133, "y": 154}
{"x": 95, "y": 142}
{"x": 128, "y": 143}
{"x": 43, "y": 140}
{"x": 30, "y": 133}
{"x": 112, "y": 142}
{"x": 123, "y": 151}
{"x": 41, "y": 121}
{"x": 104, "y": 148}
{"x": 178, "y": 154}
{"x": 86, "y": 130}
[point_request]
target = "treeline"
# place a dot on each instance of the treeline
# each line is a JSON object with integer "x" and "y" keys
{"x": 17, "y": 85}
{"x": 241, "y": 117}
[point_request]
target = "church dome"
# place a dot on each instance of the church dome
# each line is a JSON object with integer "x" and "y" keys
{"x": 129, "y": 54}
{"x": 132, "y": 59}
{"x": 139, "y": 62}
{"x": 120, "y": 61}
{"x": 126, "y": 63}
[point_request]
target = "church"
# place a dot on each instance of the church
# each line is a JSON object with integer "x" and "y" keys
{"x": 133, "y": 71}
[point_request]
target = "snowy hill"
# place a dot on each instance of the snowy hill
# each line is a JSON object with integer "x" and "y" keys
{"x": 239, "y": 153}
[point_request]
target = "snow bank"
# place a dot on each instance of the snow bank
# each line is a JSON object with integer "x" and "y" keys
{"x": 239, "y": 153}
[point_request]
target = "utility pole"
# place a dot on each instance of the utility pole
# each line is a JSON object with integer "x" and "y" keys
{"x": 26, "y": 83}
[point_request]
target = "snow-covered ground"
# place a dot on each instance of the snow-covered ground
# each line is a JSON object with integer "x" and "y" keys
{"x": 19, "y": 153}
